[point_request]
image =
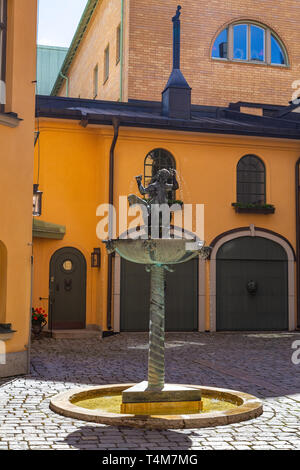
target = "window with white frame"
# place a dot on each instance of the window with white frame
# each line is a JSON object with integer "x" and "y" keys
{"x": 249, "y": 42}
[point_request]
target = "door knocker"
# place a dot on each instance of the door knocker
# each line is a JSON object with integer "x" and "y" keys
{"x": 252, "y": 287}
{"x": 68, "y": 285}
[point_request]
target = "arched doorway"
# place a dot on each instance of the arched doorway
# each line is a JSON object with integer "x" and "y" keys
{"x": 67, "y": 289}
{"x": 252, "y": 282}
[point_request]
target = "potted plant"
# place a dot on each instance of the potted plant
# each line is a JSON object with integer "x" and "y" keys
{"x": 38, "y": 320}
{"x": 253, "y": 208}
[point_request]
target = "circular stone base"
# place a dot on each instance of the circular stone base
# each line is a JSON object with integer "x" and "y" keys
{"x": 247, "y": 407}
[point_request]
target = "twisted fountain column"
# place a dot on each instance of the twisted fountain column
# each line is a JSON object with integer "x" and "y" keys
{"x": 156, "y": 357}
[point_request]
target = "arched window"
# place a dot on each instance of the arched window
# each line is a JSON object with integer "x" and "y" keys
{"x": 249, "y": 42}
{"x": 251, "y": 180}
{"x": 156, "y": 160}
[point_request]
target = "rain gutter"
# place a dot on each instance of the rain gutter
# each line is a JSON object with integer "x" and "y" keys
{"x": 116, "y": 125}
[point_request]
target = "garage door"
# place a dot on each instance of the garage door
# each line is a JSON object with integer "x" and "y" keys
{"x": 181, "y": 297}
{"x": 252, "y": 285}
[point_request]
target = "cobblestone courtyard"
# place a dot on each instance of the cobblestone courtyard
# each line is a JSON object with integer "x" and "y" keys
{"x": 259, "y": 364}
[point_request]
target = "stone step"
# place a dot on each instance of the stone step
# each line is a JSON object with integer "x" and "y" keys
{"x": 76, "y": 334}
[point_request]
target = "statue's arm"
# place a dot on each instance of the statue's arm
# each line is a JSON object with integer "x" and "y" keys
{"x": 175, "y": 182}
{"x": 142, "y": 190}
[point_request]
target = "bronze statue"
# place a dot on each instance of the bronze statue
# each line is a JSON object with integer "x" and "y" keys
{"x": 157, "y": 190}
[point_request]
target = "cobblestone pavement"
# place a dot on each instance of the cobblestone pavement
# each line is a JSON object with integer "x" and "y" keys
{"x": 259, "y": 364}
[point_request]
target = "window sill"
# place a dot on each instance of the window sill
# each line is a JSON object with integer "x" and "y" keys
{"x": 9, "y": 119}
{"x": 253, "y": 210}
{"x": 249, "y": 62}
{"x": 6, "y": 332}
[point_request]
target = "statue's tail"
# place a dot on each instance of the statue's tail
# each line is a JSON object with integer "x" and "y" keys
{"x": 133, "y": 200}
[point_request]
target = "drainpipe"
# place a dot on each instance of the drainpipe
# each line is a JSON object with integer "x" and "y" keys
{"x": 121, "y": 50}
{"x": 116, "y": 125}
{"x": 67, "y": 83}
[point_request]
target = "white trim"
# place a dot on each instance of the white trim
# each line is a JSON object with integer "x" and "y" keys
{"x": 201, "y": 294}
{"x": 2, "y": 92}
{"x": 291, "y": 272}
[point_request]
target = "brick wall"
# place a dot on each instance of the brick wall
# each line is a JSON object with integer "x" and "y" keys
{"x": 148, "y": 51}
{"x": 102, "y": 31}
{"x": 213, "y": 82}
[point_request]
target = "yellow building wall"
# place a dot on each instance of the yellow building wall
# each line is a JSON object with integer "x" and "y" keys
{"x": 74, "y": 178}
{"x": 16, "y": 179}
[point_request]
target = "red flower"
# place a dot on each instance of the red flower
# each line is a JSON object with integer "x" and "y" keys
{"x": 35, "y": 318}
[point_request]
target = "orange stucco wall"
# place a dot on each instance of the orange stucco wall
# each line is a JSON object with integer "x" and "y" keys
{"x": 16, "y": 177}
{"x": 74, "y": 178}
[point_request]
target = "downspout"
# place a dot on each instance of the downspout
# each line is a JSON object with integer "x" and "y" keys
{"x": 121, "y": 50}
{"x": 67, "y": 83}
{"x": 116, "y": 125}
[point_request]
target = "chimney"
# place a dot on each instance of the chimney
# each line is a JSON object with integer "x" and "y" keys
{"x": 176, "y": 97}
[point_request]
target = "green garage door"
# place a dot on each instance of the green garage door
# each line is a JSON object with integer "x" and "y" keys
{"x": 252, "y": 285}
{"x": 181, "y": 297}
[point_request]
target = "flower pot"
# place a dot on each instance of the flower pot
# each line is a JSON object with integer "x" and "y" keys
{"x": 37, "y": 327}
{"x": 253, "y": 210}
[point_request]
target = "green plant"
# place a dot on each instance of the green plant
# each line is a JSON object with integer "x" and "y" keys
{"x": 244, "y": 205}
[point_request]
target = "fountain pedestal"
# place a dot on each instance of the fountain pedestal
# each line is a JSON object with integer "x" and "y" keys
{"x": 171, "y": 398}
{"x": 155, "y": 396}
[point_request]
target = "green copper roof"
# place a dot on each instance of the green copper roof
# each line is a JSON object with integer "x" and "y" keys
{"x": 49, "y": 62}
{"x": 83, "y": 24}
{"x": 41, "y": 229}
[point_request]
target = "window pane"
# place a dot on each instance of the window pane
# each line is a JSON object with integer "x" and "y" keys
{"x": 240, "y": 42}
{"x": 277, "y": 55}
{"x": 251, "y": 180}
{"x": 1, "y": 11}
{"x": 118, "y": 47}
{"x": 219, "y": 49}
{"x": 257, "y": 43}
{"x": 106, "y": 63}
{"x": 96, "y": 81}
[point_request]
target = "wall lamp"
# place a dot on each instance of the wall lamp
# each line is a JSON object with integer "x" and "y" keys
{"x": 37, "y": 201}
{"x": 96, "y": 258}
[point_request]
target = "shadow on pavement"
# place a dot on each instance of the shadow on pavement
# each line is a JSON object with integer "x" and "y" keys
{"x": 116, "y": 438}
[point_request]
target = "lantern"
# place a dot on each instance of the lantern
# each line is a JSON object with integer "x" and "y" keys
{"x": 96, "y": 258}
{"x": 37, "y": 201}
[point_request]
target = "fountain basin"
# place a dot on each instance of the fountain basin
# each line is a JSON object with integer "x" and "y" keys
{"x": 244, "y": 407}
{"x": 160, "y": 251}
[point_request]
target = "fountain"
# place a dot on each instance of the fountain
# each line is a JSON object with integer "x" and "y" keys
{"x": 159, "y": 246}
{"x": 153, "y": 403}
{"x": 163, "y": 247}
